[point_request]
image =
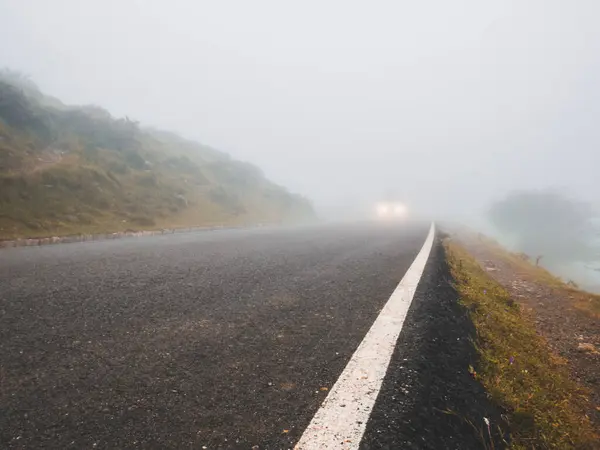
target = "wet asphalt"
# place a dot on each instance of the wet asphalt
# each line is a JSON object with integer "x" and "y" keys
{"x": 216, "y": 339}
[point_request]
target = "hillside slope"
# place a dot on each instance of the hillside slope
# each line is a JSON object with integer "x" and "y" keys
{"x": 67, "y": 170}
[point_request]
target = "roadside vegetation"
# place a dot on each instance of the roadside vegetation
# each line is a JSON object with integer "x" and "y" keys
{"x": 76, "y": 169}
{"x": 544, "y": 407}
{"x": 530, "y": 269}
{"x": 556, "y": 230}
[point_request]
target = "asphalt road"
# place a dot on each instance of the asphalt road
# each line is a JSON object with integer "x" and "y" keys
{"x": 223, "y": 339}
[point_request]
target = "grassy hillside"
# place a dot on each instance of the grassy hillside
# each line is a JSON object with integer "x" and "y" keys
{"x": 66, "y": 170}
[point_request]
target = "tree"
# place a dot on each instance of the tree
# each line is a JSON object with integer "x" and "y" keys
{"x": 549, "y": 223}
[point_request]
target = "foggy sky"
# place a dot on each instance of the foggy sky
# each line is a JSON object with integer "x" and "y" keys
{"x": 450, "y": 104}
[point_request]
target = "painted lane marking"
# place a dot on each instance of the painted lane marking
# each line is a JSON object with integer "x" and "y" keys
{"x": 341, "y": 420}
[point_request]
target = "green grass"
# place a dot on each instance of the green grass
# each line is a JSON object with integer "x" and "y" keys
{"x": 516, "y": 366}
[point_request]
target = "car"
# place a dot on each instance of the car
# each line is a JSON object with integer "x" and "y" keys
{"x": 391, "y": 210}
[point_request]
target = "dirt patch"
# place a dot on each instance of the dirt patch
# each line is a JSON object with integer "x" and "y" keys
{"x": 564, "y": 316}
{"x": 47, "y": 158}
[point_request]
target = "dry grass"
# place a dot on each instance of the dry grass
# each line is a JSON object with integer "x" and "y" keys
{"x": 76, "y": 198}
{"x": 81, "y": 171}
{"x": 517, "y": 367}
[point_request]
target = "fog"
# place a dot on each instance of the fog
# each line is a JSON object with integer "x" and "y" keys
{"x": 448, "y": 104}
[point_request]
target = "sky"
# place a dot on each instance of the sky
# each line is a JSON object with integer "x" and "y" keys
{"x": 448, "y": 104}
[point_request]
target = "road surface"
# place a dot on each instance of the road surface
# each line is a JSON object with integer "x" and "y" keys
{"x": 221, "y": 339}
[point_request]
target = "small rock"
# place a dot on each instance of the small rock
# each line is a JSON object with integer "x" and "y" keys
{"x": 586, "y": 347}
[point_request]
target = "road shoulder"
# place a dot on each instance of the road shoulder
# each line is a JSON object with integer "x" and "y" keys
{"x": 523, "y": 319}
{"x": 429, "y": 399}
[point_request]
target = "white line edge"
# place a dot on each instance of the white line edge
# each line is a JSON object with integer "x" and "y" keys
{"x": 342, "y": 418}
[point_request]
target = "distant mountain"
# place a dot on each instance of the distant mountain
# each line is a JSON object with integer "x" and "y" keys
{"x": 76, "y": 169}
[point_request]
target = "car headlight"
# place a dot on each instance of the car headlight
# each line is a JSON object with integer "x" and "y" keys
{"x": 382, "y": 209}
{"x": 399, "y": 210}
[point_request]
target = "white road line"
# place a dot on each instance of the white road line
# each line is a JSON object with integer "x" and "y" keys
{"x": 340, "y": 422}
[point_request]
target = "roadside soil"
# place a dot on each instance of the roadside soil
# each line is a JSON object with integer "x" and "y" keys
{"x": 566, "y": 317}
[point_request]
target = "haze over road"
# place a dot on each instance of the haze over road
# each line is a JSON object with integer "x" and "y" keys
{"x": 224, "y": 339}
